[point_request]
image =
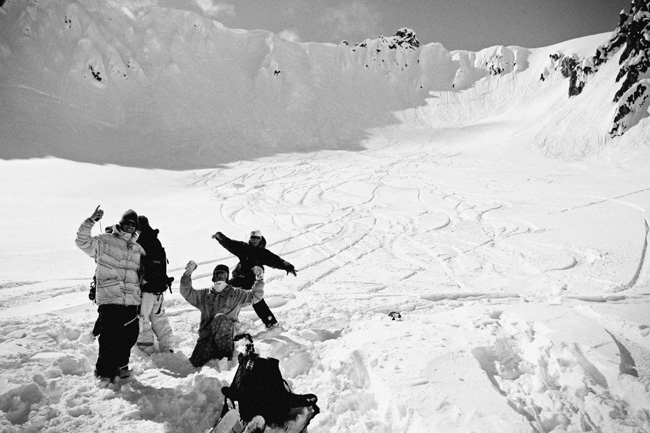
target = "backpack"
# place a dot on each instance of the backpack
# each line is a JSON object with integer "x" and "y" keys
{"x": 154, "y": 263}
{"x": 259, "y": 389}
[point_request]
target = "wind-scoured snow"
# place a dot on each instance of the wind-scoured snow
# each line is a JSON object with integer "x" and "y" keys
{"x": 458, "y": 189}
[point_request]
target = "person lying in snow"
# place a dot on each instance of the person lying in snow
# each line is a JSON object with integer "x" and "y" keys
{"x": 250, "y": 254}
{"x": 117, "y": 255}
{"x": 220, "y": 306}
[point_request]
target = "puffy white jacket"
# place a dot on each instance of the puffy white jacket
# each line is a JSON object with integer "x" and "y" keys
{"x": 118, "y": 262}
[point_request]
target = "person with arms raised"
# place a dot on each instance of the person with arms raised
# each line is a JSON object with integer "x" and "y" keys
{"x": 250, "y": 254}
{"x": 219, "y": 306}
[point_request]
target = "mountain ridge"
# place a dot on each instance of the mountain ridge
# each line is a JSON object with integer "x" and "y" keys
{"x": 92, "y": 72}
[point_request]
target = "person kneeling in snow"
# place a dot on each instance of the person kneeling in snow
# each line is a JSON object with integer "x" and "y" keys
{"x": 220, "y": 306}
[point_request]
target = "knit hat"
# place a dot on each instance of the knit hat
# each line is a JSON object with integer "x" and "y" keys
{"x": 257, "y": 233}
{"x": 220, "y": 268}
{"x": 130, "y": 216}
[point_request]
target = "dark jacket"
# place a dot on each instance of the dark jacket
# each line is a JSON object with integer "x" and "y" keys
{"x": 249, "y": 257}
{"x": 155, "y": 279}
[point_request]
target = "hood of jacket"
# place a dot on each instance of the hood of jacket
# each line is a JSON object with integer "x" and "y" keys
{"x": 115, "y": 231}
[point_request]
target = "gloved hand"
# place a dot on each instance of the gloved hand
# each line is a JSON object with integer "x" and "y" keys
{"x": 190, "y": 267}
{"x": 217, "y": 236}
{"x": 93, "y": 289}
{"x": 97, "y": 215}
{"x": 290, "y": 269}
{"x": 259, "y": 273}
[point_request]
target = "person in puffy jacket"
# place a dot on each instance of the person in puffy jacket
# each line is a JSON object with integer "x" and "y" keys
{"x": 219, "y": 306}
{"x": 117, "y": 255}
{"x": 250, "y": 254}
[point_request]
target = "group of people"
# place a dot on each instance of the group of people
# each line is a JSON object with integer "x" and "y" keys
{"x": 131, "y": 279}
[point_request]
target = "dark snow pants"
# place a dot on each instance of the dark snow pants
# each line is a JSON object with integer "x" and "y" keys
{"x": 261, "y": 307}
{"x": 218, "y": 344}
{"x": 264, "y": 312}
{"x": 97, "y": 328}
{"x": 119, "y": 332}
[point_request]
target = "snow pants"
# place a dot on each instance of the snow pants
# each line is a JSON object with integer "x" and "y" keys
{"x": 97, "y": 329}
{"x": 261, "y": 307}
{"x": 218, "y": 344}
{"x": 264, "y": 312}
{"x": 154, "y": 321}
{"x": 119, "y": 332}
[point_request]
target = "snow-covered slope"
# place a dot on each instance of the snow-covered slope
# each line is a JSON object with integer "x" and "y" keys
{"x": 464, "y": 190}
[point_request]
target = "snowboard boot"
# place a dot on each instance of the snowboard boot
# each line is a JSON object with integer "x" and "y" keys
{"x": 124, "y": 373}
{"x": 103, "y": 381}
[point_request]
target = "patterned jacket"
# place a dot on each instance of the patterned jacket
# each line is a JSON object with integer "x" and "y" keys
{"x": 118, "y": 263}
{"x": 229, "y": 301}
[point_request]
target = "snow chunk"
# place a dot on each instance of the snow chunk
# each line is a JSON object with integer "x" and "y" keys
{"x": 17, "y": 403}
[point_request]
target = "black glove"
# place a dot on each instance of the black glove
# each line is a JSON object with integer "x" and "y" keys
{"x": 93, "y": 290}
{"x": 97, "y": 215}
{"x": 290, "y": 269}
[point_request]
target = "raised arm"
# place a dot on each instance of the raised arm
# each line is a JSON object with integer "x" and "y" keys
{"x": 84, "y": 240}
{"x": 256, "y": 294}
{"x": 192, "y": 296}
{"x": 275, "y": 261}
{"x": 238, "y": 248}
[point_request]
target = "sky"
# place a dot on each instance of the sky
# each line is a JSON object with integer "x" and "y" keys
{"x": 492, "y": 212}
{"x": 457, "y": 24}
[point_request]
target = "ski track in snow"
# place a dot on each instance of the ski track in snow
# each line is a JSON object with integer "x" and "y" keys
{"x": 447, "y": 249}
{"x": 433, "y": 253}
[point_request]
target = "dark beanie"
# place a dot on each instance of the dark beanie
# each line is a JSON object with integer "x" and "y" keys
{"x": 220, "y": 268}
{"x": 131, "y": 216}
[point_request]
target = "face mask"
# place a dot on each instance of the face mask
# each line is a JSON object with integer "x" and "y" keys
{"x": 218, "y": 286}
